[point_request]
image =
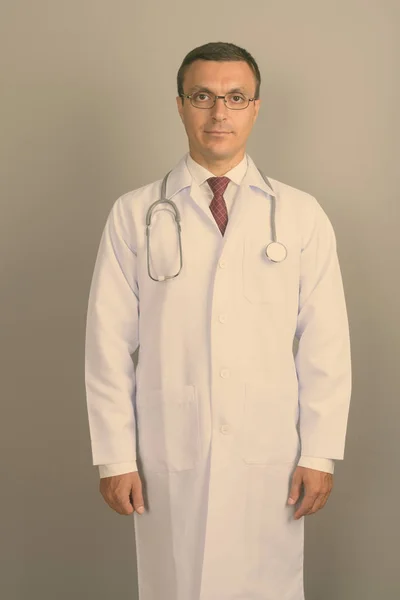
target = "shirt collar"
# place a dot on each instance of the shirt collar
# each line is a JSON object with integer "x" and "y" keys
{"x": 188, "y": 170}
{"x": 200, "y": 174}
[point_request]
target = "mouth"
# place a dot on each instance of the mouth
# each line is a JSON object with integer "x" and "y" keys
{"x": 218, "y": 132}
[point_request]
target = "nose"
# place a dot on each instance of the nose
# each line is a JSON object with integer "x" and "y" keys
{"x": 218, "y": 111}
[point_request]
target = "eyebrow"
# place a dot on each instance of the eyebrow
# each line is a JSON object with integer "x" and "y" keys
{"x": 202, "y": 87}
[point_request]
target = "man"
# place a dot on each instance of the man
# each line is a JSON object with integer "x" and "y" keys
{"x": 222, "y": 440}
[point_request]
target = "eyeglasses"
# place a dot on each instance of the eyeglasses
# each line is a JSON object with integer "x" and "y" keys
{"x": 233, "y": 100}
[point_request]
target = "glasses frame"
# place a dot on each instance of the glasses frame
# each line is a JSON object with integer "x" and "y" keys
{"x": 215, "y": 99}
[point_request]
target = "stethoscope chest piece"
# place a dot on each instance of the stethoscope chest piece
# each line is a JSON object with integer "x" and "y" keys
{"x": 276, "y": 251}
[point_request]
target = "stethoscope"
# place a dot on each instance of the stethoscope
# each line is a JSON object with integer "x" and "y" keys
{"x": 275, "y": 251}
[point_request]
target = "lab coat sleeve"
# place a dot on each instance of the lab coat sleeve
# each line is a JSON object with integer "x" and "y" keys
{"x": 319, "y": 464}
{"x": 323, "y": 361}
{"x": 111, "y": 339}
{"x": 117, "y": 469}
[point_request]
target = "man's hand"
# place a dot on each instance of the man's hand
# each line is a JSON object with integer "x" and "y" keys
{"x": 117, "y": 490}
{"x": 317, "y": 487}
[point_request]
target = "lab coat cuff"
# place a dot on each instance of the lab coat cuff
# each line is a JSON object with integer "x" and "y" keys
{"x": 117, "y": 469}
{"x": 326, "y": 465}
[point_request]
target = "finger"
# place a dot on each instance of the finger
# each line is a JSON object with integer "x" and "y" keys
{"x": 318, "y": 503}
{"x": 322, "y": 497}
{"x": 295, "y": 488}
{"x": 322, "y": 501}
{"x": 116, "y": 493}
{"x": 119, "y": 501}
{"x": 305, "y": 506}
{"x": 295, "y": 492}
{"x": 125, "y": 505}
{"x": 121, "y": 504}
{"x": 137, "y": 498}
{"x": 326, "y": 498}
{"x": 116, "y": 504}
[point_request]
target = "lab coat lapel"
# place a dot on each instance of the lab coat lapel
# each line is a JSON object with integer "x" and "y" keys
{"x": 202, "y": 204}
{"x": 180, "y": 178}
{"x": 243, "y": 205}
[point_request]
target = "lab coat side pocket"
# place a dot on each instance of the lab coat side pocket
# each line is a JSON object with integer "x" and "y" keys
{"x": 270, "y": 416}
{"x": 168, "y": 428}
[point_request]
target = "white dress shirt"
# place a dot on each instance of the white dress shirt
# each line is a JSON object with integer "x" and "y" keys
{"x": 200, "y": 175}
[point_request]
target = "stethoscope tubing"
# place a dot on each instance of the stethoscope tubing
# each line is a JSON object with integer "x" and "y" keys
{"x": 273, "y": 247}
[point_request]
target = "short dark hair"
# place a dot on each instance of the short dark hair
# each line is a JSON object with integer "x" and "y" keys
{"x": 218, "y": 51}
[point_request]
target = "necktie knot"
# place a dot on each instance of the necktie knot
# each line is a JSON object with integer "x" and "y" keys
{"x": 218, "y": 185}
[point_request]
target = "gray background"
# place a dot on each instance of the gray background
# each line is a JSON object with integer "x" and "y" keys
{"x": 88, "y": 113}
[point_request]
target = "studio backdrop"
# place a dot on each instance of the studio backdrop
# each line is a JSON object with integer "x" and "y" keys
{"x": 88, "y": 113}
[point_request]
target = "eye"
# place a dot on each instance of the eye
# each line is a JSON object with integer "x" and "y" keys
{"x": 199, "y": 94}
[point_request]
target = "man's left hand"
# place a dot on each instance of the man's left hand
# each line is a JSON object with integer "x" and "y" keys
{"x": 317, "y": 487}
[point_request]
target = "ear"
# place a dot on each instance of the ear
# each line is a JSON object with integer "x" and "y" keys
{"x": 179, "y": 106}
{"x": 257, "y": 108}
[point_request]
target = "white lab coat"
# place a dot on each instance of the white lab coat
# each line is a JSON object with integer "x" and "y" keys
{"x": 219, "y": 410}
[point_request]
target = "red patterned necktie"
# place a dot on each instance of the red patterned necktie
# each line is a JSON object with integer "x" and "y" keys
{"x": 218, "y": 206}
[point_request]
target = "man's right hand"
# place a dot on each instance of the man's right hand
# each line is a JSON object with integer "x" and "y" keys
{"x": 116, "y": 491}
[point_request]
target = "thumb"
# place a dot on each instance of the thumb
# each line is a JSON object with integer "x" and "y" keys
{"x": 295, "y": 488}
{"x": 137, "y": 497}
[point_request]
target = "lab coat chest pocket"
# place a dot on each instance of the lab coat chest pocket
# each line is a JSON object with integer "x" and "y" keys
{"x": 263, "y": 280}
{"x": 270, "y": 417}
{"x": 168, "y": 428}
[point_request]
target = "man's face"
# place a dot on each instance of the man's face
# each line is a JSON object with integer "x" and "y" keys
{"x": 219, "y": 78}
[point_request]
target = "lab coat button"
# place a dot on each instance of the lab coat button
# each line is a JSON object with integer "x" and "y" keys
{"x": 222, "y": 263}
{"x": 225, "y": 429}
{"x": 222, "y": 318}
{"x": 224, "y": 373}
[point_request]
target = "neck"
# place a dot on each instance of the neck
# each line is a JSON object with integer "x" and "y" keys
{"x": 217, "y": 167}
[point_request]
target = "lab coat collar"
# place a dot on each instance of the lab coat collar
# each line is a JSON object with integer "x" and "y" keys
{"x": 180, "y": 178}
{"x": 201, "y": 174}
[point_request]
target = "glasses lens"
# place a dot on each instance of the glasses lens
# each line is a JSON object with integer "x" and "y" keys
{"x": 234, "y": 101}
{"x": 202, "y": 100}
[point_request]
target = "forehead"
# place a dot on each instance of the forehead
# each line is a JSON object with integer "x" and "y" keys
{"x": 219, "y": 77}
